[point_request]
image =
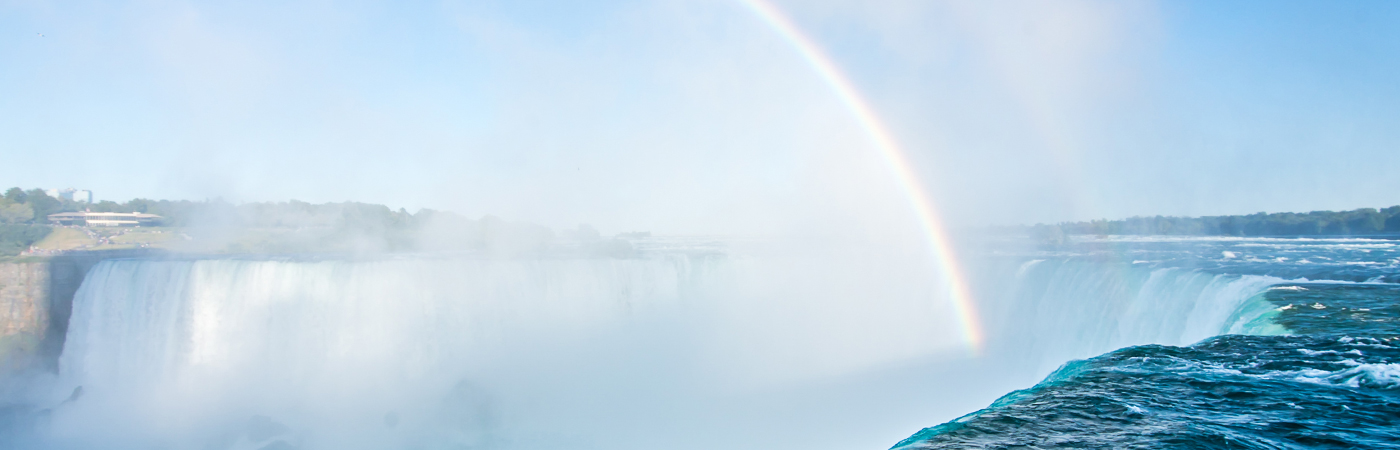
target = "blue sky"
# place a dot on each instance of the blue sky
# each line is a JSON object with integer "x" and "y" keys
{"x": 691, "y": 116}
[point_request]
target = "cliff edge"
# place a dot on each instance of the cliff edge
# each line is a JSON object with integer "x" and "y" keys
{"x": 36, "y": 299}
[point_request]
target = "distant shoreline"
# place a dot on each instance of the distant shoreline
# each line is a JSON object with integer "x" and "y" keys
{"x": 1358, "y": 223}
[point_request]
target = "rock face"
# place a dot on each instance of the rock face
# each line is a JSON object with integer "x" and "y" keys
{"x": 25, "y": 310}
{"x": 36, "y": 299}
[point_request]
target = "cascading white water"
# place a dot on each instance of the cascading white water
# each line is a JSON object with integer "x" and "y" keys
{"x": 1059, "y": 310}
{"x": 157, "y": 320}
{"x": 819, "y": 351}
{"x": 358, "y": 340}
{"x": 529, "y": 353}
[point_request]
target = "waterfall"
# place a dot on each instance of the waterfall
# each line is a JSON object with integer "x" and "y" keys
{"x": 834, "y": 350}
{"x": 500, "y": 353}
{"x": 157, "y": 320}
{"x": 338, "y": 346}
{"x": 1054, "y": 311}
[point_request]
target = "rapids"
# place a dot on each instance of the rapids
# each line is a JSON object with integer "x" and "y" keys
{"x": 1308, "y": 362}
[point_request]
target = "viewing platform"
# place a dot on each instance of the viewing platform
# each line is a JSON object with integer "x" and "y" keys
{"x": 105, "y": 219}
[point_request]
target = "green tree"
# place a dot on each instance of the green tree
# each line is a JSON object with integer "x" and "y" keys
{"x": 16, "y": 213}
{"x": 16, "y": 238}
{"x": 15, "y": 195}
{"x": 43, "y": 205}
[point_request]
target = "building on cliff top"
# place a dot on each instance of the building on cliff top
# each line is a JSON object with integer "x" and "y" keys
{"x": 105, "y": 219}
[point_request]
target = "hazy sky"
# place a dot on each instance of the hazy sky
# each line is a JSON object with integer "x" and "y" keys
{"x": 693, "y": 116}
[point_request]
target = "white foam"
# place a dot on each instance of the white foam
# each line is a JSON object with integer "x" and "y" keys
{"x": 1383, "y": 376}
{"x": 1021, "y": 272}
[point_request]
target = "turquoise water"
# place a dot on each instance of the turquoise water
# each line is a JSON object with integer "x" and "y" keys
{"x": 1310, "y": 361}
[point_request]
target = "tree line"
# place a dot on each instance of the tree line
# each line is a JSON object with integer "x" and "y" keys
{"x": 1357, "y": 222}
{"x": 292, "y": 226}
{"x": 24, "y": 217}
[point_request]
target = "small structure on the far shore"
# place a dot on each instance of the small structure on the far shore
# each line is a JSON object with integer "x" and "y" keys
{"x": 105, "y": 219}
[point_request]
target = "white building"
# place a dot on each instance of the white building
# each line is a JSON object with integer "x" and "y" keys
{"x": 105, "y": 219}
{"x": 80, "y": 196}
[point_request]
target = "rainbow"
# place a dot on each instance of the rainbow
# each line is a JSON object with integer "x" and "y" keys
{"x": 923, "y": 206}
